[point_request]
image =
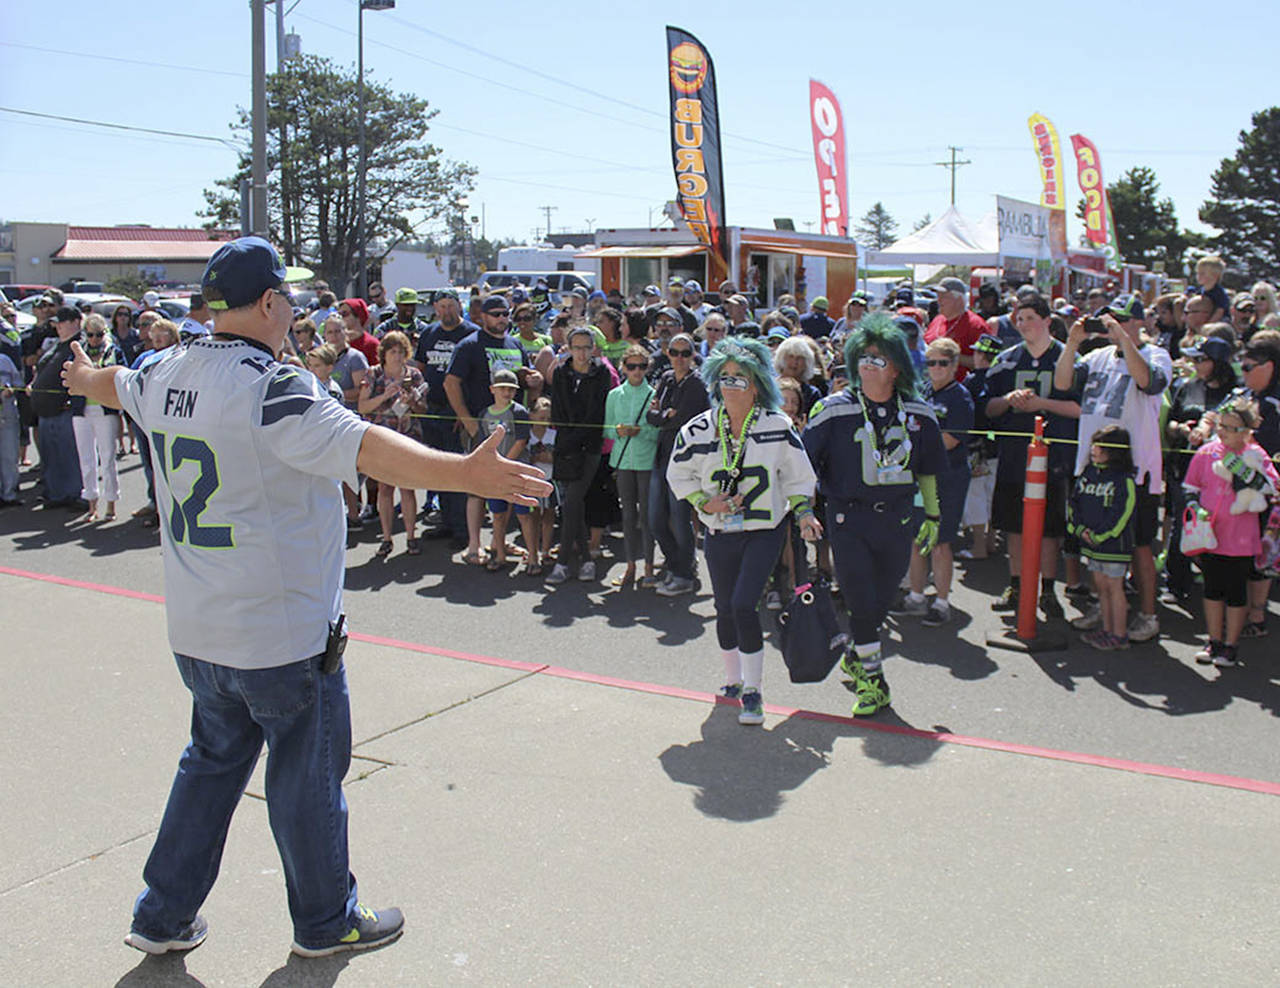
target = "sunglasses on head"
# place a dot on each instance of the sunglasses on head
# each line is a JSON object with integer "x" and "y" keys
{"x": 680, "y": 353}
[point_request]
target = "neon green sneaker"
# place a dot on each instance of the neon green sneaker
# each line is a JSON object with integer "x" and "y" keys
{"x": 850, "y": 665}
{"x": 871, "y": 692}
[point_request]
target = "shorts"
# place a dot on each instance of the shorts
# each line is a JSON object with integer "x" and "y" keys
{"x": 1006, "y": 506}
{"x": 1146, "y": 523}
{"x": 977, "y": 501}
{"x": 1114, "y": 570}
{"x": 498, "y": 506}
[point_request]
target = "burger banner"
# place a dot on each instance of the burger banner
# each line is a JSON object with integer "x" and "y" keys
{"x": 828, "y": 155}
{"x": 1099, "y": 227}
{"x": 695, "y": 140}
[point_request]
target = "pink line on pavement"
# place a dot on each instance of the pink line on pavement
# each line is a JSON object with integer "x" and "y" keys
{"x": 657, "y": 689}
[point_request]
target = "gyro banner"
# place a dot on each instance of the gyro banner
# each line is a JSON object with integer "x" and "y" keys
{"x": 828, "y": 155}
{"x": 695, "y": 139}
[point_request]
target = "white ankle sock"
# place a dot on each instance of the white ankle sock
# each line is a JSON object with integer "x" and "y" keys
{"x": 732, "y": 666}
{"x": 752, "y": 669}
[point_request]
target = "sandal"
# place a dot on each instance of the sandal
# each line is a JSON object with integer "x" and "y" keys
{"x": 648, "y": 582}
{"x": 494, "y": 564}
{"x": 473, "y": 558}
{"x": 384, "y": 550}
{"x": 413, "y": 547}
{"x": 533, "y": 569}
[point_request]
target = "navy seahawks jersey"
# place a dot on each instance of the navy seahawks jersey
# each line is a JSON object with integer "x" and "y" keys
{"x": 1014, "y": 369}
{"x": 844, "y": 454}
{"x": 953, "y": 408}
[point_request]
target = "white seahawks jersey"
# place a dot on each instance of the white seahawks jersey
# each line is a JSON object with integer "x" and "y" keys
{"x": 774, "y": 467}
{"x": 248, "y": 453}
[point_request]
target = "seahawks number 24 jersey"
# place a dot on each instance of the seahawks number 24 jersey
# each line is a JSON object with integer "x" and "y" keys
{"x": 248, "y": 453}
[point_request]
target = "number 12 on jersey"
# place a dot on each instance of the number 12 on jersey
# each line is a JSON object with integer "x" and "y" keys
{"x": 184, "y": 515}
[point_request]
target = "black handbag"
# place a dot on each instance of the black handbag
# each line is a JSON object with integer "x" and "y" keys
{"x": 809, "y": 635}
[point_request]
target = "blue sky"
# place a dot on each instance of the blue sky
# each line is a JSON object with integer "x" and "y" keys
{"x": 564, "y": 105}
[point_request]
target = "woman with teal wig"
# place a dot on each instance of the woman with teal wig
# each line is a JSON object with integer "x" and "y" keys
{"x": 875, "y": 446}
{"x": 742, "y": 466}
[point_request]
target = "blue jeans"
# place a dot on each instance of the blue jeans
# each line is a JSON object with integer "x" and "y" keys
{"x": 305, "y": 718}
{"x": 671, "y": 521}
{"x": 442, "y": 434}
{"x": 10, "y": 434}
{"x": 59, "y": 460}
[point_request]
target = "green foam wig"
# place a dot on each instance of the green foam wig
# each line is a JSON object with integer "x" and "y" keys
{"x": 877, "y": 329}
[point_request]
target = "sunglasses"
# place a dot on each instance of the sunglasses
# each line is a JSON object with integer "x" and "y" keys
{"x": 937, "y": 363}
{"x": 93, "y": 336}
{"x": 1247, "y": 365}
{"x": 524, "y": 318}
{"x": 499, "y": 313}
{"x": 635, "y": 366}
{"x": 1200, "y": 358}
{"x": 680, "y": 353}
{"x": 872, "y": 361}
{"x": 1235, "y": 430}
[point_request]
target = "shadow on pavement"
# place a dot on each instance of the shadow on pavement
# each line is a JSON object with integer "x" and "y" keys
{"x": 160, "y": 971}
{"x": 742, "y": 774}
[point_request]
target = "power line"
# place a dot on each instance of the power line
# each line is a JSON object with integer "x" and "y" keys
{"x": 125, "y": 61}
{"x": 116, "y": 126}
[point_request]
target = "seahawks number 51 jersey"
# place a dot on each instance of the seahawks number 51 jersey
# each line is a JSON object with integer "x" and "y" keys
{"x": 773, "y": 468}
{"x": 248, "y": 453}
{"x": 844, "y": 454}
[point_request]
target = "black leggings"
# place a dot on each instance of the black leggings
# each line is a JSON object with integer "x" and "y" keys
{"x": 740, "y": 564}
{"x": 1226, "y": 577}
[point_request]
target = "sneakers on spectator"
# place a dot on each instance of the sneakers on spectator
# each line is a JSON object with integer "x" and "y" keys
{"x": 559, "y": 574}
{"x": 1051, "y": 607}
{"x": 773, "y": 601}
{"x": 675, "y": 586}
{"x": 1115, "y": 643}
{"x": 1090, "y": 620}
{"x": 906, "y": 606}
{"x": 937, "y": 615}
{"x": 731, "y": 691}
{"x": 1078, "y": 592}
{"x": 871, "y": 694}
{"x": 368, "y": 513}
{"x": 372, "y": 929}
{"x": 1094, "y": 638}
{"x": 1206, "y": 655}
{"x": 1226, "y": 656}
{"x": 187, "y": 939}
{"x": 850, "y": 667}
{"x": 587, "y": 571}
{"x": 1144, "y": 627}
{"x": 1007, "y": 601}
{"x": 752, "y": 708}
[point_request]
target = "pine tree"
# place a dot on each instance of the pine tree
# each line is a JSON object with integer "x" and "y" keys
{"x": 1245, "y": 202}
{"x": 877, "y": 229}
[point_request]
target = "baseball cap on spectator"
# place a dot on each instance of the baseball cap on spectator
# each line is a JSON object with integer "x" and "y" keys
{"x": 68, "y": 313}
{"x": 860, "y": 298}
{"x": 791, "y": 313}
{"x": 988, "y": 290}
{"x": 151, "y": 299}
{"x": 46, "y": 302}
{"x": 595, "y": 295}
{"x": 406, "y": 296}
{"x": 820, "y": 303}
{"x": 1126, "y": 307}
{"x": 988, "y": 344}
{"x": 748, "y": 328}
{"x": 908, "y": 326}
{"x": 904, "y": 296}
{"x": 504, "y": 378}
{"x": 736, "y": 300}
{"x": 669, "y": 313}
{"x": 519, "y": 294}
{"x": 652, "y": 291}
{"x": 241, "y": 270}
{"x": 494, "y": 303}
{"x": 440, "y": 294}
{"x": 675, "y": 281}
{"x": 953, "y": 285}
{"x": 1244, "y": 301}
{"x": 579, "y": 291}
{"x": 1068, "y": 312}
{"x": 1211, "y": 347}
{"x": 778, "y": 333}
{"x": 692, "y": 286}
{"x": 358, "y": 308}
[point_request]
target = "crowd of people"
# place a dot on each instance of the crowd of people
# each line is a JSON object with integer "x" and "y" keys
{"x": 874, "y": 447}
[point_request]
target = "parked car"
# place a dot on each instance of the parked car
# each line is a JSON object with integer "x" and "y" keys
{"x": 22, "y": 320}
{"x": 558, "y": 282}
{"x": 16, "y": 292}
{"x": 82, "y": 287}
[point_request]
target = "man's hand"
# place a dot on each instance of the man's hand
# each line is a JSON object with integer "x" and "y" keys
{"x": 927, "y": 537}
{"x": 810, "y": 528}
{"x": 1076, "y": 334}
{"x": 491, "y": 475}
{"x": 75, "y": 370}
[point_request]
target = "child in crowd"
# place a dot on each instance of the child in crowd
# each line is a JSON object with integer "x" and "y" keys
{"x": 1209, "y": 276}
{"x": 320, "y": 361}
{"x": 1100, "y": 515}
{"x": 541, "y": 450}
{"x": 1220, "y": 469}
{"x": 514, "y": 417}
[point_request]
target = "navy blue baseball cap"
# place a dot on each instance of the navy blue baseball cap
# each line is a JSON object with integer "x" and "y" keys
{"x": 908, "y": 325}
{"x": 241, "y": 270}
{"x": 1127, "y": 307}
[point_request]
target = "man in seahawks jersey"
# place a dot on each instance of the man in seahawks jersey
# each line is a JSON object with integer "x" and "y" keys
{"x": 874, "y": 447}
{"x": 249, "y": 453}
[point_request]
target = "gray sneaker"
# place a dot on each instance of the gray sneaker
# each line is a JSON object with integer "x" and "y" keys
{"x": 587, "y": 571}
{"x": 1090, "y": 620}
{"x": 186, "y": 939}
{"x": 1144, "y": 627}
{"x": 559, "y": 573}
{"x": 905, "y": 606}
{"x": 937, "y": 615}
{"x": 675, "y": 586}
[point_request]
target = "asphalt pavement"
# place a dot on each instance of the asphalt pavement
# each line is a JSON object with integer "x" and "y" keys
{"x": 543, "y": 782}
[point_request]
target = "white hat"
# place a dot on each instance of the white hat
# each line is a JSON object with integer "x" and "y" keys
{"x": 151, "y": 298}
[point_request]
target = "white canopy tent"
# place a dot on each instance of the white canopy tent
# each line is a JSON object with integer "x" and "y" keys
{"x": 950, "y": 239}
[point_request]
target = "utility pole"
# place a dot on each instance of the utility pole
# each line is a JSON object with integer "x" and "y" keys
{"x": 286, "y": 215}
{"x": 258, "y": 179}
{"x": 549, "y": 210}
{"x": 953, "y": 165}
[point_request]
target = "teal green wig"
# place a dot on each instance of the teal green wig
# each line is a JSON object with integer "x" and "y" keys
{"x": 756, "y": 362}
{"x": 877, "y": 330}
